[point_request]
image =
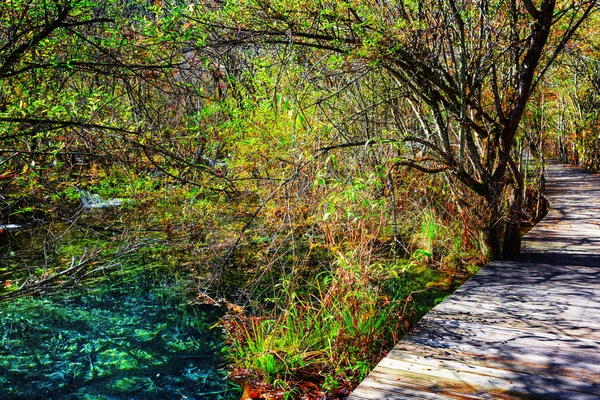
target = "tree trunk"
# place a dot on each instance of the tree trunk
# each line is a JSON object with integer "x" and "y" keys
{"x": 512, "y": 231}
{"x": 493, "y": 241}
{"x": 494, "y": 228}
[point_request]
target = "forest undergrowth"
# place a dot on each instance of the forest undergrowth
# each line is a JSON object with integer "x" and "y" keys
{"x": 317, "y": 285}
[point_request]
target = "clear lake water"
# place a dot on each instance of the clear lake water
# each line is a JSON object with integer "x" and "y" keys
{"x": 129, "y": 335}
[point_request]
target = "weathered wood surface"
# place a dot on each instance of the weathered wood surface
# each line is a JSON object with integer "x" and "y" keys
{"x": 522, "y": 329}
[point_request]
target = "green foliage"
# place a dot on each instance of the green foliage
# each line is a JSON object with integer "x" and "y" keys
{"x": 569, "y": 124}
{"x": 421, "y": 256}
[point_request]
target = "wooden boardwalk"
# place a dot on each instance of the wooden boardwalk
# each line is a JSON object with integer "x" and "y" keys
{"x": 522, "y": 329}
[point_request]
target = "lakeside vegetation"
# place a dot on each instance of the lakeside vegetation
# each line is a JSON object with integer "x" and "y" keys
{"x": 322, "y": 172}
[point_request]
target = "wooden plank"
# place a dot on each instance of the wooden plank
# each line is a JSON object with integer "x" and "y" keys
{"x": 459, "y": 331}
{"x": 541, "y": 362}
{"x": 524, "y": 321}
{"x": 526, "y": 328}
{"x": 471, "y": 381}
{"x": 415, "y": 385}
{"x": 498, "y": 379}
{"x": 381, "y": 385}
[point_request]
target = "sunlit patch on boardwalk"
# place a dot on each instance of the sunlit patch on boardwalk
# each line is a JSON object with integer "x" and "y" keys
{"x": 522, "y": 329}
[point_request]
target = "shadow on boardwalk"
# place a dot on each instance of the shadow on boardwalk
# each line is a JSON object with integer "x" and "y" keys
{"x": 528, "y": 328}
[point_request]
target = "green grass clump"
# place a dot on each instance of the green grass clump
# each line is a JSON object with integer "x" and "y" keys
{"x": 333, "y": 328}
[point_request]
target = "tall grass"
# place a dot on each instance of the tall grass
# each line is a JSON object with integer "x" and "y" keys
{"x": 332, "y": 332}
{"x": 430, "y": 228}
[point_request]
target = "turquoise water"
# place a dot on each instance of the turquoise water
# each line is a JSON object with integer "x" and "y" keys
{"x": 128, "y": 336}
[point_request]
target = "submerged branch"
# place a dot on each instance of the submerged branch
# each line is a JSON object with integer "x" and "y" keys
{"x": 78, "y": 270}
